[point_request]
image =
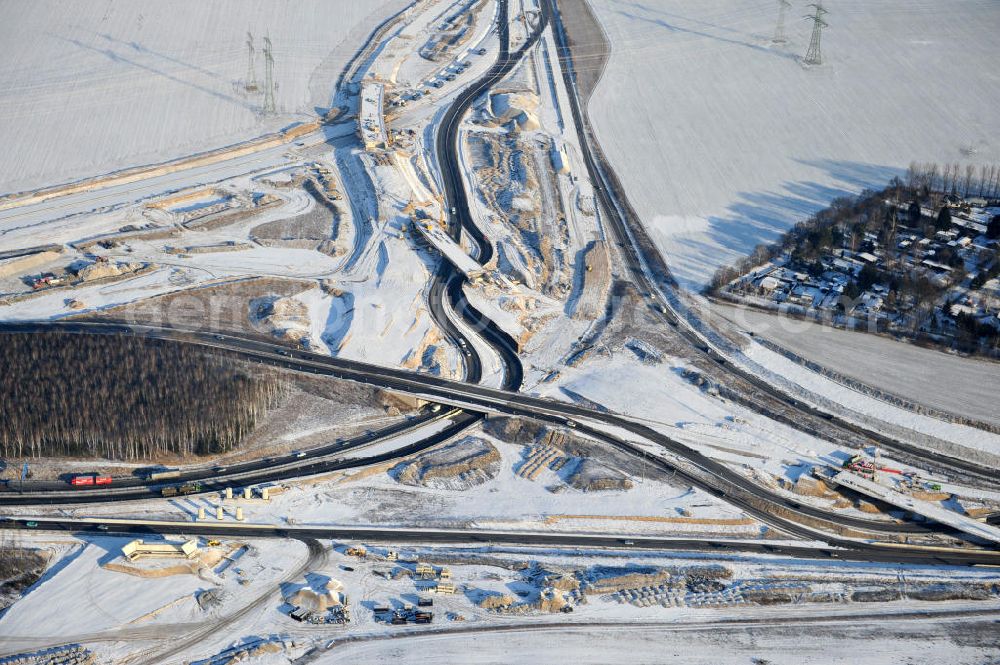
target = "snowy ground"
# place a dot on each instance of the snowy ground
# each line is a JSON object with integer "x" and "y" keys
{"x": 792, "y": 374}
{"x": 92, "y": 600}
{"x": 510, "y": 501}
{"x": 695, "y": 645}
{"x": 90, "y": 89}
{"x": 728, "y": 141}
{"x": 162, "y": 613}
{"x": 943, "y": 381}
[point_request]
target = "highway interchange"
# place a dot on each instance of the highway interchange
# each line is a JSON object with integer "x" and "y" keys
{"x": 699, "y": 470}
{"x": 470, "y": 401}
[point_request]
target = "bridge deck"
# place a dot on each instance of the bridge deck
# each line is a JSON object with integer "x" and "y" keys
{"x": 925, "y": 508}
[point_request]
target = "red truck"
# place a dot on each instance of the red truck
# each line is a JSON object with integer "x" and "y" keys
{"x": 90, "y": 479}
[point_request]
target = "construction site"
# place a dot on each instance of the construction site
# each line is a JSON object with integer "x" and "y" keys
{"x": 393, "y": 336}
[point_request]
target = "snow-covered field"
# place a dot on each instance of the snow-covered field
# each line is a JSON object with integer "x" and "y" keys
{"x": 127, "y": 618}
{"x": 796, "y": 378}
{"x": 90, "y": 89}
{"x": 940, "y": 380}
{"x": 926, "y": 642}
{"x": 723, "y": 141}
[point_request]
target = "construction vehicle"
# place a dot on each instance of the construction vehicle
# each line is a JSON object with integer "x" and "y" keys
{"x": 213, "y": 543}
{"x": 186, "y": 488}
{"x": 865, "y": 466}
{"x": 359, "y": 552}
{"x": 165, "y": 475}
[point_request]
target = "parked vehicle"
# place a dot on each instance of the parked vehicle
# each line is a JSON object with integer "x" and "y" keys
{"x": 89, "y": 479}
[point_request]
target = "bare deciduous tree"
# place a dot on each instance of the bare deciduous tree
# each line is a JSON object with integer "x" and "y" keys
{"x": 124, "y": 397}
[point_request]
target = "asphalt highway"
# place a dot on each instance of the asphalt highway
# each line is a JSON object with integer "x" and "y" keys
{"x": 447, "y": 282}
{"x": 456, "y": 197}
{"x": 456, "y": 193}
{"x": 854, "y": 552}
{"x": 699, "y": 470}
{"x": 324, "y": 460}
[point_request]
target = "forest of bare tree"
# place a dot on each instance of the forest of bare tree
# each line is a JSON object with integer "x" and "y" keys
{"x": 124, "y": 398}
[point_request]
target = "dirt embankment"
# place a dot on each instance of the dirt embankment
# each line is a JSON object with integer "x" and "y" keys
{"x": 19, "y": 569}
{"x": 592, "y": 476}
{"x": 460, "y": 465}
{"x": 572, "y": 458}
{"x": 587, "y": 40}
{"x": 592, "y": 282}
{"x": 309, "y": 230}
{"x": 516, "y": 183}
{"x": 223, "y": 307}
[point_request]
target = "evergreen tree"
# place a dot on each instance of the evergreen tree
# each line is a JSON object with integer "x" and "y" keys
{"x": 943, "y": 222}
{"x": 993, "y": 228}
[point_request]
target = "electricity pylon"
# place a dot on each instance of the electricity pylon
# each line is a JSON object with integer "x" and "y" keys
{"x": 779, "y": 29}
{"x": 814, "y": 55}
{"x": 268, "y": 77}
{"x": 251, "y": 80}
